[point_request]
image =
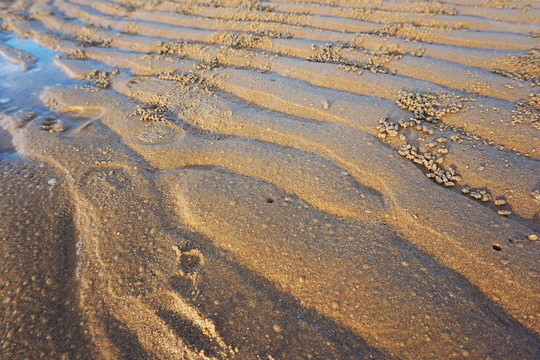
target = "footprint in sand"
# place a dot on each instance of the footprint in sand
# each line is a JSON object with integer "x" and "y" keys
{"x": 185, "y": 279}
{"x": 156, "y": 134}
{"x": 53, "y": 125}
{"x": 119, "y": 273}
{"x": 23, "y": 117}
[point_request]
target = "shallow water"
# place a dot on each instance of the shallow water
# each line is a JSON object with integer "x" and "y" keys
{"x": 21, "y": 89}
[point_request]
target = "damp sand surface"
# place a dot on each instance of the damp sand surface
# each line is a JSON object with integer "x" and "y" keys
{"x": 6, "y": 144}
{"x": 269, "y": 179}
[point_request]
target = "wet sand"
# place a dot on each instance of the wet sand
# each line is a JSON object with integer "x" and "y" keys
{"x": 273, "y": 180}
{"x": 5, "y": 141}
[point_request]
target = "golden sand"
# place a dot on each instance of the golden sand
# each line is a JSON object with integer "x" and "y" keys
{"x": 237, "y": 179}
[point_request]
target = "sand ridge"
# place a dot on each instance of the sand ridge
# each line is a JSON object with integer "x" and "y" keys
{"x": 277, "y": 180}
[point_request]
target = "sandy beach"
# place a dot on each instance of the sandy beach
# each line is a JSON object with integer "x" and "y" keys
{"x": 246, "y": 179}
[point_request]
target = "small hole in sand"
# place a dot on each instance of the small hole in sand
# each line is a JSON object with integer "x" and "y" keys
{"x": 269, "y": 200}
{"x": 497, "y": 247}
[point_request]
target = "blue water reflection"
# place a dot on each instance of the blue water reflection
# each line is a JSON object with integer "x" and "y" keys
{"x": 21, "y": 89}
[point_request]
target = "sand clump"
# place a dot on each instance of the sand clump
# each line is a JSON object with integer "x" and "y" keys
{"x": 242, "y": 40}
{"x": 204, "y": 84}
{"x": 524, "y": 67}
{"x": 154, "y": 110}
{"x": 77, "y": 54}
{"x": 528, "y": 111}
{"x": 409, "y": 31}
{"x": 89, "y": 37}
{"x": 180, "y": 48}
{"x": 332, "y": 54}
{"x": 100, "y": 79}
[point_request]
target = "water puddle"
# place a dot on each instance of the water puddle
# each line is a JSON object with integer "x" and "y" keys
{"x": 22, "y": 84}
{"x": 20, "y": 88}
